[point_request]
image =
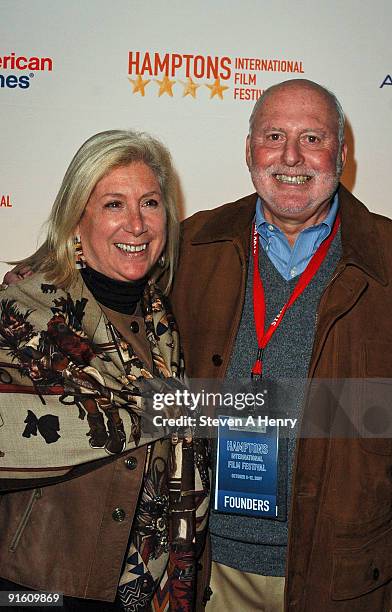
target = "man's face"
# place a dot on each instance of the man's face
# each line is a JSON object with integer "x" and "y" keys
{"x": 293, "y": 153}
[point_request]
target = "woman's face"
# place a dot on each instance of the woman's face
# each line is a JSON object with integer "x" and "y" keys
{"x": 123, "y": 227}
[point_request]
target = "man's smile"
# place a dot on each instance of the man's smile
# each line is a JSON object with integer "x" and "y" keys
{"x": 300, "y": 179}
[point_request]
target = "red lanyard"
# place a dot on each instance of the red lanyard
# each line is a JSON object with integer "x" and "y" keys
{"x": 259, "y": 298}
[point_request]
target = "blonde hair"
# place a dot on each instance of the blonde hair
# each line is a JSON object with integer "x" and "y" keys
{"x": 95, "y": 158}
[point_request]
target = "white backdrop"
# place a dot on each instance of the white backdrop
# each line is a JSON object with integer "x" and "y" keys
{"x": 47, "y": 114}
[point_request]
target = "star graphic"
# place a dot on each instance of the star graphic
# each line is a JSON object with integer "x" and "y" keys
{"x": 217, "y": 89}
{"x": 189, "y": 88}
{"x": 139, "y": 85}
{"x": 165, "y": 86}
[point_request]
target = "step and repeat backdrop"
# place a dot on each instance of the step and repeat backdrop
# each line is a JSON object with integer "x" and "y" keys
{"x": 189, "y": 73}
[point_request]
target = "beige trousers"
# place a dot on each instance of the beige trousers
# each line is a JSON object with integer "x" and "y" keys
{"x": 235, "y": 591}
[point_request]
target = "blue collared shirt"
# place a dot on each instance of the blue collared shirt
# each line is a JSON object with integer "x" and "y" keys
{"x": 292, "y": 261}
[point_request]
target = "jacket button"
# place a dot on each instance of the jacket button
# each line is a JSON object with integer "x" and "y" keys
{"x": 376, "y": 573}
{"x": 134, "y": 326}
{"x": 217, "y": 360}
{"x": 207, "y": 594}
{"x": 131, "y": 463}
{"x": 118, "y": 515}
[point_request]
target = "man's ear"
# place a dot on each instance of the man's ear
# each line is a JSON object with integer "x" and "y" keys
{"x": 248, "y": 154}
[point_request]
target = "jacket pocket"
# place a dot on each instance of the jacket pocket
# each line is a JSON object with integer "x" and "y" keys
{"x": 36, "y": 494}
{"x": 360, "y": 570}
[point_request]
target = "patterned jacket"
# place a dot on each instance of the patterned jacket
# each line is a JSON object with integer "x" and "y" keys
{"x": 72, "y": 399}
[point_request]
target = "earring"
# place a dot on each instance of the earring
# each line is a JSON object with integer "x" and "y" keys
{"x": 162, "y": 261}
{"x": 80, "y": 261}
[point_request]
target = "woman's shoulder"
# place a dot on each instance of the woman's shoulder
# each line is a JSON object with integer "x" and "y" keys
{"x": 34, "y": 291}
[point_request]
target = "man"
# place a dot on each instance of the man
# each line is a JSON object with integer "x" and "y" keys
{"x": 330, "y": 546}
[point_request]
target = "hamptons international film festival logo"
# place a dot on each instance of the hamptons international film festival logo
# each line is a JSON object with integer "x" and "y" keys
{"x": 17, "y": 71}
{"x": 197, "y": 76}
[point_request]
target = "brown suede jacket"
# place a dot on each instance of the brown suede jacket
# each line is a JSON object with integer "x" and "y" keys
{"x": 340, "y": 540}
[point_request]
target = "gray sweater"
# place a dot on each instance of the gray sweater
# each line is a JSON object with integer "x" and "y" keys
{"x": 254, "y": 544}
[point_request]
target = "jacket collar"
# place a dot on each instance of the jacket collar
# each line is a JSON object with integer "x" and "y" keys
{"x": 361, "y": 243}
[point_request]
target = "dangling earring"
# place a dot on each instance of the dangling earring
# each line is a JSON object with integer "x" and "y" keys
{"x": 80, "y": 261}
{"x": 162, "y": 261}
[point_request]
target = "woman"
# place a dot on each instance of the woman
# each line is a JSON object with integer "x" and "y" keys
{"x": 81, "y": 340}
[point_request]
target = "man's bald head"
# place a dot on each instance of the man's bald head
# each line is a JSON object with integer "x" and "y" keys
{"x": 305, "y": 84}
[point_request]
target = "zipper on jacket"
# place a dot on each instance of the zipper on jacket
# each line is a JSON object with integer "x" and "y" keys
{"x": 331, "y": 281}
{"x": 36, "y": 494}
{"x": 325, "y": 289}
